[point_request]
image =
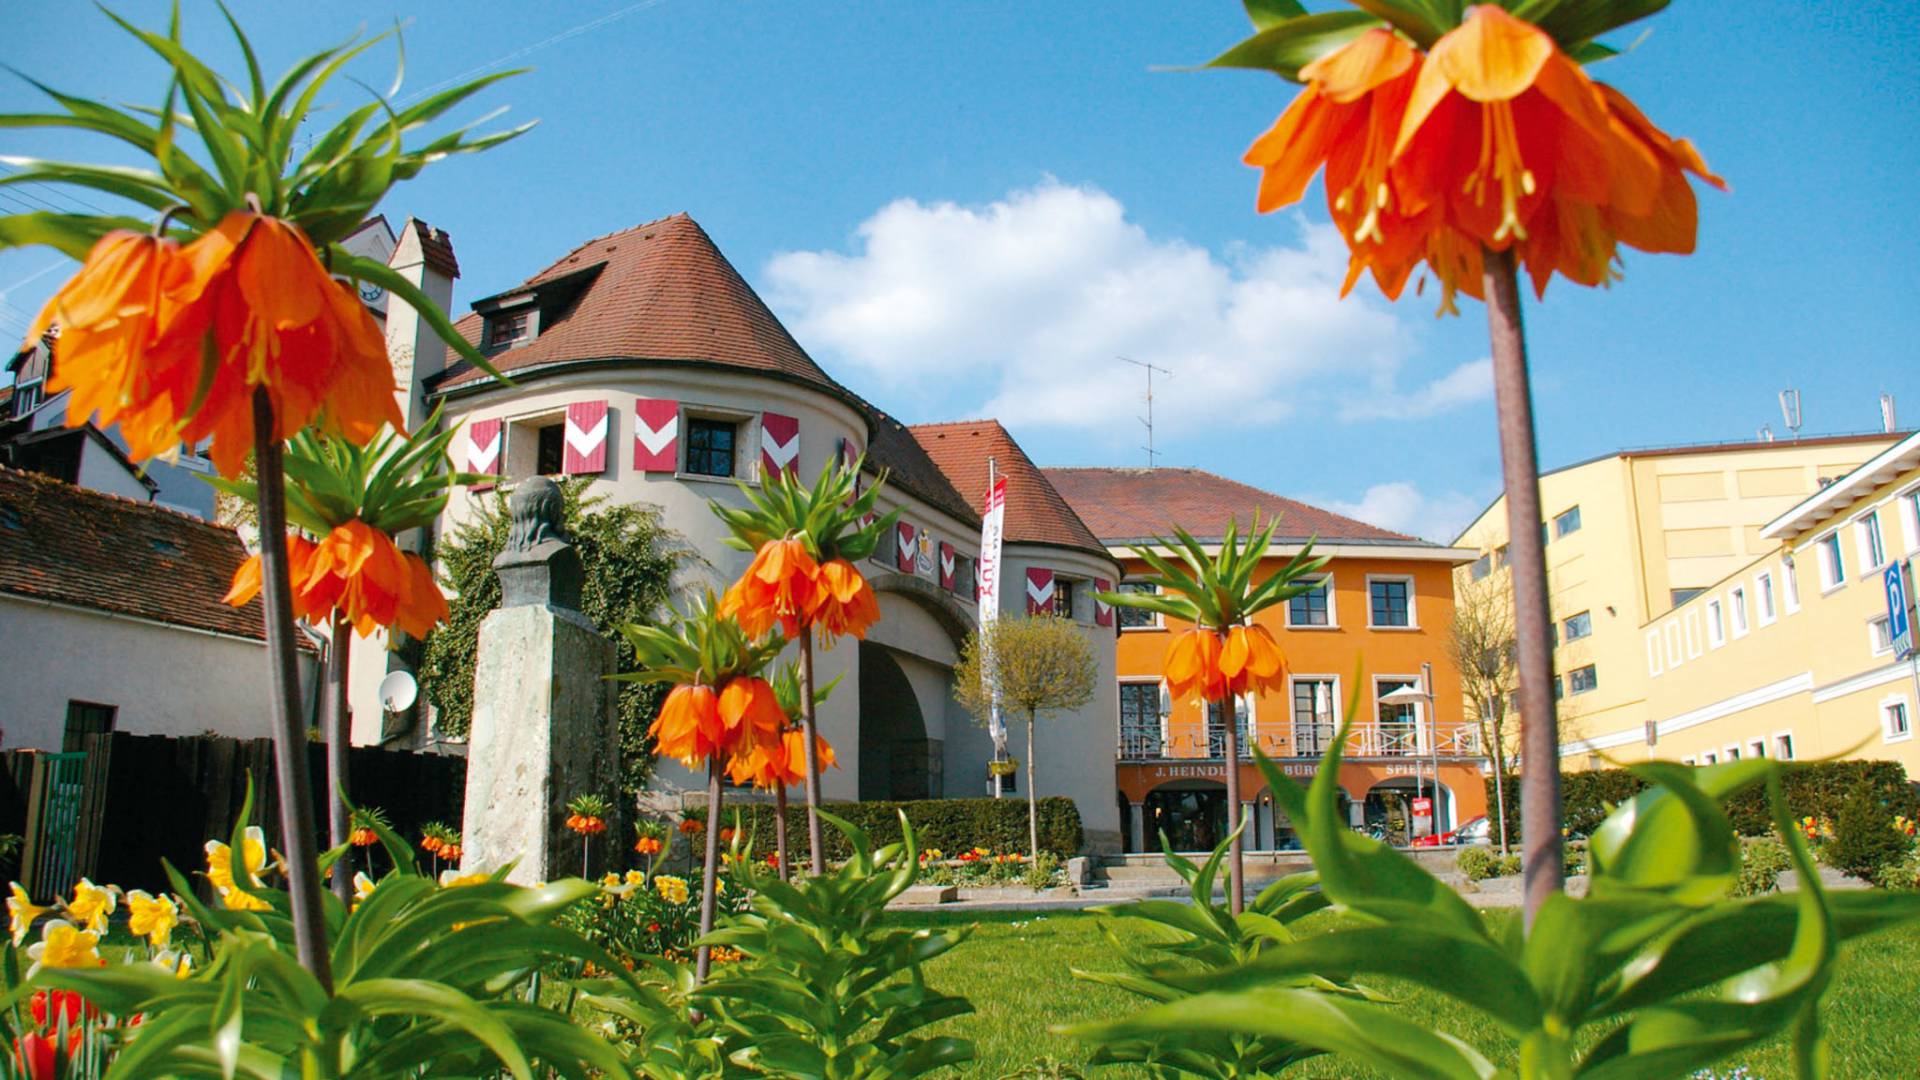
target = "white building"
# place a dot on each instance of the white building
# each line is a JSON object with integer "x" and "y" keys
{"x": 644, "y": 360}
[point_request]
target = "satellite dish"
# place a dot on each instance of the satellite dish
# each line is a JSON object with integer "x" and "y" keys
{"x": 397, "y": 691}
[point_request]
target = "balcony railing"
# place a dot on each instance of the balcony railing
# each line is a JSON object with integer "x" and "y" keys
{"x": 1393, "y": 740}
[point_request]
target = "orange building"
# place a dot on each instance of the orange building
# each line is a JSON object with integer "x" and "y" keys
{"x": 1379, "y": 615}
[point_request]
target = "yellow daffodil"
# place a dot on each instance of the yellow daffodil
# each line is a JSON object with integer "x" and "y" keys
{"x": 21, "y": 913}
{"x": 179, "y": 962}
{"x": 91, "y": 904}
{"x": 220, "y": 860}
{"x": 672, "y": 889}
{"x": 452, "y": 879}
{"x": 362, "y": 886}
{"x": 610, "y": 879}
{"x": 636, "y": 877}
{"x": 64, "y": 945}
{"x": 152, "y": 917}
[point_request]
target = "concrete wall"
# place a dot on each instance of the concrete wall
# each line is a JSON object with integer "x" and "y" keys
{"x": 164, "y": 680}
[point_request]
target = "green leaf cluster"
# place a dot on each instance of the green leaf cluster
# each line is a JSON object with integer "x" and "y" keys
{"x": 1217, "y": 590}
{"x": 828, "y": 516}
{"x": 216, "y": 147}
{"x": 628, "y": 560}
{"x": 1287, "y": 37}
{"x": 1654, "y": 974}
{"x": 1200, "y": 936}
{"x": 428, "y": 982}
{"x": 696, "y": 647}
{"x": 394, "y": 483}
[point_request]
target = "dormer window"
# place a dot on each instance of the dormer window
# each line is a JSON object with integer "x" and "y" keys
{"x": 508, "y": 329}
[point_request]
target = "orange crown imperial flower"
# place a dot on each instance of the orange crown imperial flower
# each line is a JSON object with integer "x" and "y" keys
{"x": 780, "y": 762}
{"x": 845, "y": 605}
{"x": 696, "y": 725}
{"x": 358, "y": 570}
{"x": 780, "y": 587}
{"x": 1251, "y": 661}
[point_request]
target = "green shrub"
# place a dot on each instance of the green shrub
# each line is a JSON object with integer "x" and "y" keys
{"x": 1480, "y": 863}
{"x": 951, "y": 825}
{"x": 1041, "y": 874}
{"x": 1864, "y": 840}
{"x": 1573, "y": 858}
{"x": 1813, "y": 789}
{"x": 1903, "y": 875}
{"x": 1762, "y": 858}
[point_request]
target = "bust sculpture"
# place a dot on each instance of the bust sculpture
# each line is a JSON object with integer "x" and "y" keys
{"x": 539, "y": 564}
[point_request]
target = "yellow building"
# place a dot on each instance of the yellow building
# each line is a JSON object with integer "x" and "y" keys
{"x": 1631, "y": 535}
{"x": 1792, "y": 654}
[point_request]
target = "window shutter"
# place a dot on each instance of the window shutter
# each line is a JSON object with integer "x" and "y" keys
{"x": 483, "y": 446}
{"x": 1039, "y": 590}
{"x": 1102, "y": 611}
{"x": 903, "y": 547}
{"x": 656, "y": 435}
{"x": 947, "y": 559}
{"x": 779, "y": 444}
{"x": 586, "y": 438}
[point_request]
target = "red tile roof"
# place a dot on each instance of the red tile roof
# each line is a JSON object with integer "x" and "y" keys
{"x": 1036, "y": 514}
{"x": 71, "y": 545}
{"x": 663, "y": 292}
{"x": 1132, "y": 505}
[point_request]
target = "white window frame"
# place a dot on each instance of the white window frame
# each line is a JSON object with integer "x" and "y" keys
{"x": 1873, "y": 636}
{"x": 515, "y": 431}
{"x": 1333, "y": 610}
{"x": 1654, "y": 667}
{"x": 1790, "y": 582}
{"x": 1832, "y": 557}
{"x": 1159, "y": 621}
{"x": 1788, "y": 736}
{"x": 1567, "y": 636}
{"x": 1413, "y": 604}
{"x": 1737, "y": 604}
{"x": 746, "y": 433}
{"x": 1671, "y": 633}
{"x": 1909, "y": 501}
{"x": 1887, "y": 706}
{"x": 1160, "y": 693}
{"x": 1716, "y": 623}
{"x": 1710, "y": 758}
{"x": 1571, "y": 692}
{"x": 1757, "y": 748}
{"x": 1338, "y": 702}
{"x": 1766, "y": 599}
{"x": 1692, "y": 630}
{"x": 1730, "y": 752}
{"x": 1867, "y": 533}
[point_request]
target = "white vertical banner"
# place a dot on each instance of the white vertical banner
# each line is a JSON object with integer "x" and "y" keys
{"x": 991, "y": 528}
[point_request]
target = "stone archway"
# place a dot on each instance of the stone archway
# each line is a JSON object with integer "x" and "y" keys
{"x": 897, "y": 760}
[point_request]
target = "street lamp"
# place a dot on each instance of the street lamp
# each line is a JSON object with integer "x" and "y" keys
{"x": 1417, "y": 693}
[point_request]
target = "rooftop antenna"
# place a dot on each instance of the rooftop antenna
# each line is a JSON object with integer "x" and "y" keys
{"x": 1887, "y": 422}
{"x": 1148, "y": 419}
{"x": 1790, "y": 410}
{"x": 1765, "y": 434}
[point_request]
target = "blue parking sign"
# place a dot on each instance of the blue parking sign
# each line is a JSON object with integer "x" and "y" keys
{"x": 1899, "y": 584}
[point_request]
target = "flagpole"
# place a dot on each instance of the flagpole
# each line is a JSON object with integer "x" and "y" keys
{"x": 994, "y": 726}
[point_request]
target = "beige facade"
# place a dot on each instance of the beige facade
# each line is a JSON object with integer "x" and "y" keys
{"x": 1790, "y": 654}
{"x": 1632, "y": 535}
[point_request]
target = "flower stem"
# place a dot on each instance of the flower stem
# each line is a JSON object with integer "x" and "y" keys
{"x": 703, "y": 958}
{"x": 780, "y": 827}
{"x": 1236, "y": 849}
{"x": 289, "y": 733}
{"x": 339, "y": 740}
{"x": 1542, "y": 864}
{"x": 816, "y": 835}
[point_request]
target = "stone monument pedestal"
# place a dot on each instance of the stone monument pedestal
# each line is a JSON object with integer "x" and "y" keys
{"x": 544, "y": 727}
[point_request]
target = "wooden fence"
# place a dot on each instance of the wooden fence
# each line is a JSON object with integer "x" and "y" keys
{"x": 144, "y": 798}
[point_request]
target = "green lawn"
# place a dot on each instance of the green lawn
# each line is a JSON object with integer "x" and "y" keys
{"x": 1016, "y": 969}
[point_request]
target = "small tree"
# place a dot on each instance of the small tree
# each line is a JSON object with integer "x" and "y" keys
{"x": 627, "y": 558}
{"x": 1864, "y": 839}
{"x": 1037, "y": 665}
{"x": 1480, "y": 644}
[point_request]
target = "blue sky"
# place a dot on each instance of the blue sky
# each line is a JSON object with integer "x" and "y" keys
{"x": 964, "y": 209}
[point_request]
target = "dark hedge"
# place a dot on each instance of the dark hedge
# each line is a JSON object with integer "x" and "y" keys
{"x": 1813, "y": 789}
{"x": 952, "y": 825}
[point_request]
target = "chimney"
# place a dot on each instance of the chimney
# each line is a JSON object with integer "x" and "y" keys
{"x": 424, "y": 256}
{"x": 1888, "y": 423}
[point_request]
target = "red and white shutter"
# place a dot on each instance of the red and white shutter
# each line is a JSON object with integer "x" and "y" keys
{"x": 1102, "y": 611}
{"x": 903, "y": 553}
{"x": 779, "y": 444}
{"x": 656, "y": 435}
{"x": 586, "y": 437}
{"x": 484, "y": 442}
{"x": 948, "y": 559}
{"x": 1039, "y": 591}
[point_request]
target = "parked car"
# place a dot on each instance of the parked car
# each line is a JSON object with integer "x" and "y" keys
{"x": 1475, "y": 830}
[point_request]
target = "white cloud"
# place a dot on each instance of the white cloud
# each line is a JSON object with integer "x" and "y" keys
{"x": 1464, "y": 385}
{"x": 1019, "y": 308}
{"x": 1402, "y": 507}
